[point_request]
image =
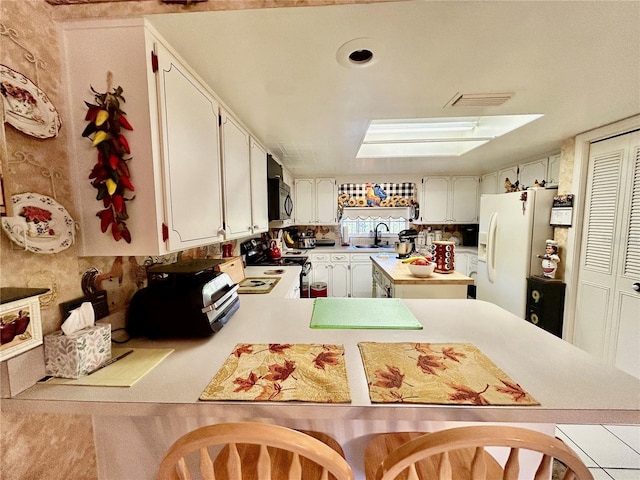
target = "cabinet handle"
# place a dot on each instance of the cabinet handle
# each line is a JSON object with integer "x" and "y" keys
{"x": 636, "y": 286}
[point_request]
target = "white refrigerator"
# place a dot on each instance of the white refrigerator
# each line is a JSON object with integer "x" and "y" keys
{"x": 512, "y": 232}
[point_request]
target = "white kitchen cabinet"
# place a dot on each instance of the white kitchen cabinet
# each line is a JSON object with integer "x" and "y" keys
{"x": 259, "y": 198}
{"x": 340, "y": 275}
{"x": 346, "y": 275}
{"x": 315, "y": 201}
{"x": 510, "y": 173}
{"x": 489, "y": 184}
{"x": 304, "y": 201}
{"x": 553, "y": 170}
{"x": 461, "y": 262}
{"x": 533, "y": 171}
{"x": 236, "y": 175}
{"x": 175, "y": 162}
{"x": 360, "y": 265}
{"x": 382, "y": 286}
{"x": 449, "y": 200}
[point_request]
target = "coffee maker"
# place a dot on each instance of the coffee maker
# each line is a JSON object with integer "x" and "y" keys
{"x": 409, "y": 236}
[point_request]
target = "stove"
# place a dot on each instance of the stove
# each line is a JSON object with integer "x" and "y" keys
{"x": 255, "y": 251}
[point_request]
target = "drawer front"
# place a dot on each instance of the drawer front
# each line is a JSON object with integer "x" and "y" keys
{"x": 320, "y": 257}
{"x": 360, "y": 258}
{"x": 339, "y": 257}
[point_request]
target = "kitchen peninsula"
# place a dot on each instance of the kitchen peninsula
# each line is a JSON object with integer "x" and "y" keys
{"x": 137, "y": 424}
{"x": 392, "y": 278}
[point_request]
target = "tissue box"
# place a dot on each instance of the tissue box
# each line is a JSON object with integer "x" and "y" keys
{"x": 71, "y": 356}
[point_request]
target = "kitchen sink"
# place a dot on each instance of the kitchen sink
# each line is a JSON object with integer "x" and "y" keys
{"x": 374, "y": 246}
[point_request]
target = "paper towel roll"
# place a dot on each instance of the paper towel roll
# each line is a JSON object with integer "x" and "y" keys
{"x": 345, "y": 234}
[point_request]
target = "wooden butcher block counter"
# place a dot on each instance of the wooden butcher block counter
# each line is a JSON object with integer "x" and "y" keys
{"x": 392, "y": 278}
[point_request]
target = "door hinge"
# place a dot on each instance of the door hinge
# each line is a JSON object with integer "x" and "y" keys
{"x": 165, "y": 232}
{"x": 154, "y": 62}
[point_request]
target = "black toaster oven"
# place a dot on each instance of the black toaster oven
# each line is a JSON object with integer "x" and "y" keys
{"x": 182, "y": 303}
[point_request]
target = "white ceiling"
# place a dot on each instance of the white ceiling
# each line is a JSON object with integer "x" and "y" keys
{"x": 576, "y": 62}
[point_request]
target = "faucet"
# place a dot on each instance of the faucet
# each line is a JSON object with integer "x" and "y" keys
{"x": 376, "y": 239}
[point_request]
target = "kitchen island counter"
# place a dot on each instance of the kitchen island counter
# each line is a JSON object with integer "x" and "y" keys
{"x": 392, "y": 278}
{"x": 399, "y": 273}
{"x": 570, "y": 384}
{"x": 137, "y": 424}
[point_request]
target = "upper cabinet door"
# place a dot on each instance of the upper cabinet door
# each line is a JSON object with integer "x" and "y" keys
{"x": 506, "y": 176}
{"x": 533, "y": 172}
{"x": 489, "y": 184}
{"x": 236, "y": 171}
{"x": 553, "y": 170}
{"x": 464, "y": 199}
{"x": 326, "y": 200}
{"x": 190, "y": 155}
{"x": 435, "y": 199}
{"x": 259, "y": 200}
{"x": 304, "y": 206}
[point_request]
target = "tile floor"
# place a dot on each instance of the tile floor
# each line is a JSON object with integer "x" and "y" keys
{"x": 610, "y": 451}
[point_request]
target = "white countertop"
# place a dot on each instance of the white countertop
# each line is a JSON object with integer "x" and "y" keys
{"x": 572, "y": 386}
{"x": 288, "y": 279}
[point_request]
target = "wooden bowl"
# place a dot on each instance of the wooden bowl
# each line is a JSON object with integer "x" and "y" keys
{"x": 422, "y": 270}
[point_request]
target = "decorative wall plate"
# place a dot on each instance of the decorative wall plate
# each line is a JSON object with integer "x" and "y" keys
{"x": 27, "y": 108}
{"x": 42, "y": 225}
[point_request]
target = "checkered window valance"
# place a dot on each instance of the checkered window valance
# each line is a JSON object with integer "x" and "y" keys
{"x": 404, "y": 190}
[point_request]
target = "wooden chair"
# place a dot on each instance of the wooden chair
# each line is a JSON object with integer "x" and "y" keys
{"x": 255, "y": 451}
{"x": 458, "y": 454}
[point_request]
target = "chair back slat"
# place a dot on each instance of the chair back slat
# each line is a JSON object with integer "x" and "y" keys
{"x": 264, "y": 463}
{"x": 413, "y": 474}
{"x": 182, "y": 469}
{"x": 478, "y": 465}
{"x": 295, "y": 471}
{"x": 234, "y": 464}
{"x": 512, "y": 467}
{"x": 544, "y": 469}
{"x": 206, "y": 465}
{"x": 444, "y": 467}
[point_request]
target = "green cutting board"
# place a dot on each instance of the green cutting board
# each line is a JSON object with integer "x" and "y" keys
{"x": 373, "y": 313}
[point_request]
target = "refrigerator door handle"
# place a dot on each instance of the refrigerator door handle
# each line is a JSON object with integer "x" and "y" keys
{"x": 491, "y": 247}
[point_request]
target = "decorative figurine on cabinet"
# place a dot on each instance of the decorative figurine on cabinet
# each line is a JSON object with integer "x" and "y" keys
{"x": 550, "y": 259}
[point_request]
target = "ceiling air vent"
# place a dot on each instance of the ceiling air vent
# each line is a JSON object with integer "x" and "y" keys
{"x": 479, "y": 99}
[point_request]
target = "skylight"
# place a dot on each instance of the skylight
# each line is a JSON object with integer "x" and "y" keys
{"x": 431, "y": 137}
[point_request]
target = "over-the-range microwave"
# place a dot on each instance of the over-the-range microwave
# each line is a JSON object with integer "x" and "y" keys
{"x": 280, "y": 202}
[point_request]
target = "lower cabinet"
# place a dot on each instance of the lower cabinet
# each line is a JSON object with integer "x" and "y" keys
{"x": 545, "y": 304}
{"x": 360, "y": 264}
{"x": 346, "y": 275}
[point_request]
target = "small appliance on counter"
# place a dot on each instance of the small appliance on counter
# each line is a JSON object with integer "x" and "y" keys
{"x": 183, "y": 299}
{"x": 306, "y": 240}
{"x": 325, "y": 242}
{"x": 408, "y": 236}
{"x": 470, "y": 235}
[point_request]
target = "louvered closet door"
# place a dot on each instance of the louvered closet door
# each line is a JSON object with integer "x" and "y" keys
{"x": 607, "y": 313}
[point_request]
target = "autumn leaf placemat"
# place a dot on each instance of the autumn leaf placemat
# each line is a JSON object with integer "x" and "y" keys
{"x": 437, "y": 373}
{"x": 281, "y": 372}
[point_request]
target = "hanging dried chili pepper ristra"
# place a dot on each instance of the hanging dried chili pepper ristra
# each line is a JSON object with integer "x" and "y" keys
{"x": 110, "y": 175}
